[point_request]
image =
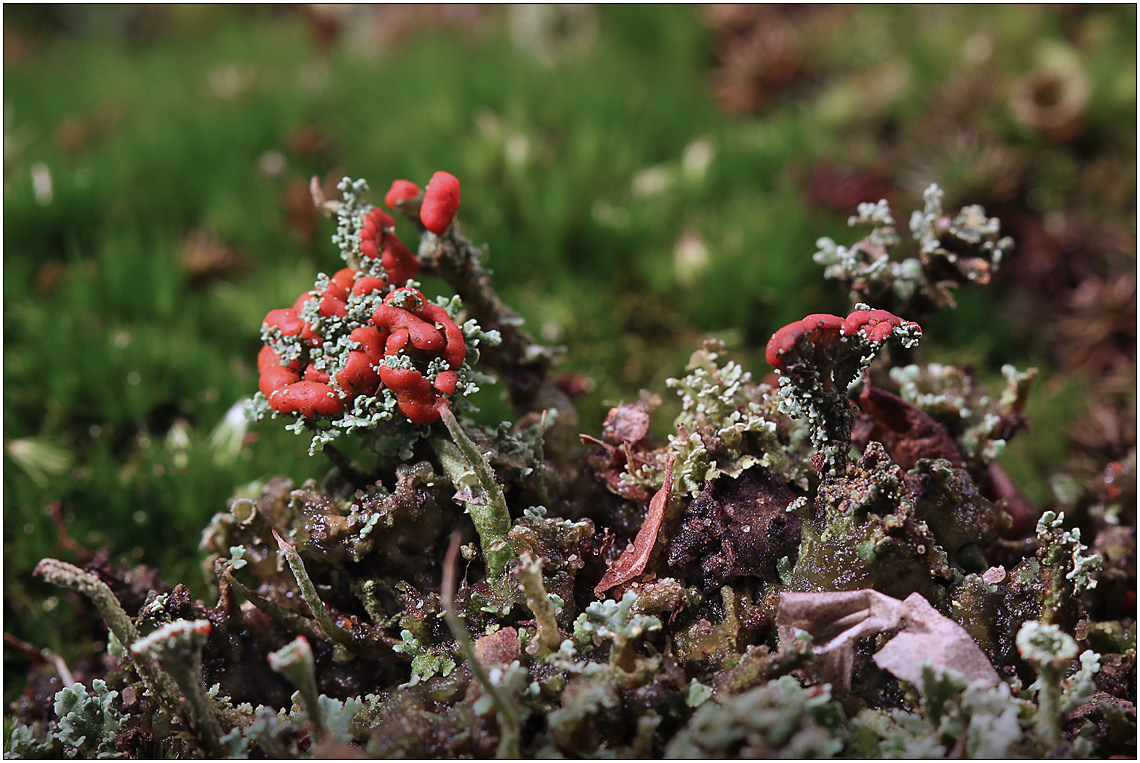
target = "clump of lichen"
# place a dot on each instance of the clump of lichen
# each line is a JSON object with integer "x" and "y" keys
{"x": 818, "y": 359}
{"x": 326, "y": 336}
{"x": 87, "y": 725}
{"x": 729, "y": 423}
{"x": 951, "y": 251}
{"x": 969, "y": 720}
{"x": 472, "y": 592}
{"x": 779, "y": 719}
{"x": 980, "y": 421}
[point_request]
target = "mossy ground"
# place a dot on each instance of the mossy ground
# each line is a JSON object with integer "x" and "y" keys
{"x": 179, "y": 144}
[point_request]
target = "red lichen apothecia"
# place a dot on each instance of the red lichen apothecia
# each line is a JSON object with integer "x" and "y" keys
{"x": 366, "y": 344}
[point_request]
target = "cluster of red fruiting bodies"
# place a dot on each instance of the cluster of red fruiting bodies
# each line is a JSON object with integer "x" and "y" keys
{"x": 403, "y": 324}
{"x": 824, "y": 329}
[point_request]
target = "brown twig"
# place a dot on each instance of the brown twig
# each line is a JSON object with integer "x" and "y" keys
{"x": 509, "y": 722}
{"x": 523, "y": 364}
{"x": 54, "y": 510}
{"x": 38, "y": 656}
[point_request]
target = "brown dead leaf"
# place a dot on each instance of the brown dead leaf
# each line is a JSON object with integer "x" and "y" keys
{"x": 633, "y": 560}
{"x": 626, "y": 423}
{"x": 310, "y": 142}
{"x": 206, "y": 258}
{"x": 624, "y": 447}
{"x": 76, "y": 134}
{"x": 303, "y": 203}
{"x": 905, "y": 430}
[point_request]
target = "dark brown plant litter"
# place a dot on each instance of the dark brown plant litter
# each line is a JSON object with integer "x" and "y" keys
{"x": 737, "y": 528}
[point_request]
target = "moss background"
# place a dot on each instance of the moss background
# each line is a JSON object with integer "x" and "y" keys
{"x": 644, "y": 176}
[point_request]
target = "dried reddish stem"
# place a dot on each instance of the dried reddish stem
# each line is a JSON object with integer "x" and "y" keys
{"x": 524, "y": 366}
{"x": 54, "y": 510}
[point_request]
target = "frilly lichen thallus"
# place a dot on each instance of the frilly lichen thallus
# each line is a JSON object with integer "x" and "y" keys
{"x": 781, "y": 718}
{"x": 1046, "y": 587}
{"x": 975, "y": 720}
{"x": 728, "y": 422}
{"x": 614, "y": 622}
{"x": 88, "y": 726}
{"x": 1067, "y": 569}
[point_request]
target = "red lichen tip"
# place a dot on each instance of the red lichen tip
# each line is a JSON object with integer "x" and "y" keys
{"x": 414, "y": 394}
{"x": 374, "y": 230}
{"x": 400, "y": 192}
{"x": 285, "y": 319}
{"x": 876, "y": 326}
{"x": 308, "y": 398}
{"x": 441, "y": 202}
{"x": 368, "y": 284}
{"x": 406, "y": 298}
{"x": 816, "y": 325}
{"x": 398, "y": 263}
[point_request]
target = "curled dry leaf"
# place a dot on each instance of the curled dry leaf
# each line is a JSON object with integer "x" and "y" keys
{"x": 627, "y": 423}
{"x": 905, "y": 430}
{"x": 624, "y": 448}
{"x": 633, "y": 560}
{"x": 837, "y": 620}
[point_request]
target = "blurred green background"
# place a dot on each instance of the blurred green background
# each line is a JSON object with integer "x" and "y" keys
{"x": 644, "y": 176}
